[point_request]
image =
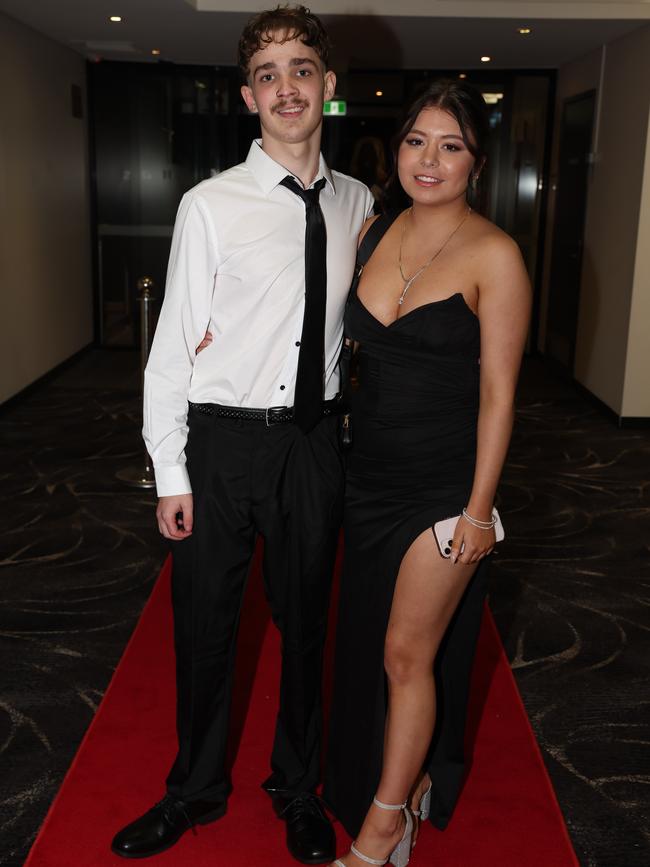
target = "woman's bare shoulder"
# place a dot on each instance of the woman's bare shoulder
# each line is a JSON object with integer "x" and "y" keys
{"x": 489, "y": 234}
{"x": 493, "y": 247}
{"x": 499, "y": 268}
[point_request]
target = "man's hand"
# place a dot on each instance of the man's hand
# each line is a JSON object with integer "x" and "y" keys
{"x": 207, "y": 340}
{"x": 175, "y": 516}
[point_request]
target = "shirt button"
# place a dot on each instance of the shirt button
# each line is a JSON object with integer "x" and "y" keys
{"x": 282, "y": 387}
{"x": 297, "y": 343}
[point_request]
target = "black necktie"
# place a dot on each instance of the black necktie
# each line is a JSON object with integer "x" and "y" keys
{"x": 308, "y": 401}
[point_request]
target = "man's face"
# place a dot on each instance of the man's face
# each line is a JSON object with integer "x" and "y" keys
{"x": 287, "y": 86}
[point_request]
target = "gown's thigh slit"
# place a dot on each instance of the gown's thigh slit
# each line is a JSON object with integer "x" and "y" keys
{"x": 446, "y": 761}
{"x": 355, "y": 753}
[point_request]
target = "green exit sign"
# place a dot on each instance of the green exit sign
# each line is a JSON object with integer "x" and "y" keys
{"x": 335, "y": 106}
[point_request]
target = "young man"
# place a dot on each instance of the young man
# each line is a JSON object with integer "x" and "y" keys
{"x": 265, "y": 266}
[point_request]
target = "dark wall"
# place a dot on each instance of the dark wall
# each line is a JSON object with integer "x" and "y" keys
{"x": 159, "y": 129}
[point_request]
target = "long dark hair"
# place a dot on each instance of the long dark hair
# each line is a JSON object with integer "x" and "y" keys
{"x": 464, "y": 103}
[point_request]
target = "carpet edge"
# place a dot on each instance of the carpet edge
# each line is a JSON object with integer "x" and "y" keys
{"x": 161, "y": 577}
{"x": 491, "y": 623}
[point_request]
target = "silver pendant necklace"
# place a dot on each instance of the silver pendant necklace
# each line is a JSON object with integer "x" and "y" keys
{"x": 408, "y": 281}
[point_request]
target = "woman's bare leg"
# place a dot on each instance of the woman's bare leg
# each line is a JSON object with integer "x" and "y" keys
{"x": 427, "y": 592}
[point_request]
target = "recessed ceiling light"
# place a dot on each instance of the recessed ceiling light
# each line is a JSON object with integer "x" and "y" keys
{"x": 463, "y": 75}
{"x": 524, "y": 30}
{"x": 116, "y": 18}
{"x": 379, "y": 93}
{"x": 155, "y": 51}
{"x": 486, "y": 58}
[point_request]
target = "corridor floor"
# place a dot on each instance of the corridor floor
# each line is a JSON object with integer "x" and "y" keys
{"x": 570, "y": 591}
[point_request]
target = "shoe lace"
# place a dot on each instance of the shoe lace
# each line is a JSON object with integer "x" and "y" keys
{"x": 305, "y": 802}
{"x": 170, "y": 806}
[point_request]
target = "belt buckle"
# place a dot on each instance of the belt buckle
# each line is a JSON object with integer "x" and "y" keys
{"x": 268, "y": 419}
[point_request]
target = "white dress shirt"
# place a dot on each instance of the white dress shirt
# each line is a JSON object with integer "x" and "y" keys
{"x": 237, "y": 268}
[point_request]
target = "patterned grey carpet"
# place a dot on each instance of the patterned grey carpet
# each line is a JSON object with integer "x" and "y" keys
{"x": 78, "y": 553}
{"x": 571, "y": 596}
{"x": 570, "y": 593}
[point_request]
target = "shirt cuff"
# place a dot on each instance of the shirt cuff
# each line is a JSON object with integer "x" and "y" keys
{"x": 172, "y": 481}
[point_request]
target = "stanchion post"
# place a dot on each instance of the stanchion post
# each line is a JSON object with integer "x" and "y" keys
{"x": 142, "y": 476}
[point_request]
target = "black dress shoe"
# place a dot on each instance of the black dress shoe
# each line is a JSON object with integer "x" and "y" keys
{"x": 310, "y": 836}
{"x": 163, "y": 825}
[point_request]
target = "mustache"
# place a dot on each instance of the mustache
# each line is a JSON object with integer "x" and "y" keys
{"x": 283, "y": 104}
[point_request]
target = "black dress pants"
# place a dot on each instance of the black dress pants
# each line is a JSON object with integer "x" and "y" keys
{"x": 248, "y": 478}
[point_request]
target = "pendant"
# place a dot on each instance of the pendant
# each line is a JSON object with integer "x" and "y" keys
{"x": 406, "y": 288}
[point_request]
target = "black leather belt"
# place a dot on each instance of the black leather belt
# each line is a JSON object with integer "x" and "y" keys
{"x": 270, "y": 416}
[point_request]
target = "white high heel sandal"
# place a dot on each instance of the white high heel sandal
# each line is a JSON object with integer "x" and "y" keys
{"x": 425, "y": 805}
{"x": 400, "y": 855}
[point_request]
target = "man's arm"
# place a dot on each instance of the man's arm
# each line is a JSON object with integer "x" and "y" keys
{"x": 183, "y": 319}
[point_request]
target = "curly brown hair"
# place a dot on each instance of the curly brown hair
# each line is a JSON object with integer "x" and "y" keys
{"x": 292, "y": 22}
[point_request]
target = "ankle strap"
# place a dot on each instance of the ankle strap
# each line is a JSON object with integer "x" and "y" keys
{"x": 388, "y": 806}
{"x": 365, "y": 858}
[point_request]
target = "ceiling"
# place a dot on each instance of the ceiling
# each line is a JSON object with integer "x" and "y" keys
{"x": 184, "y": 32}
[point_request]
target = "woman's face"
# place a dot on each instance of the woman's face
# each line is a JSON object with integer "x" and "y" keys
{"x": 433, "y": 162}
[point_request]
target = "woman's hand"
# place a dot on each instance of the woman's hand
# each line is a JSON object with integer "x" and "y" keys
{"x": 207, "y": 340}
{"x": 477, "y": 543}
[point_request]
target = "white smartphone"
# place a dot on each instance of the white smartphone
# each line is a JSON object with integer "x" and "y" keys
{"x": 444, "y": 533}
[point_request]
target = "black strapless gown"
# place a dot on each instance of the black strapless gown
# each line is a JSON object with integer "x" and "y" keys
{"x": 412, "y": 463}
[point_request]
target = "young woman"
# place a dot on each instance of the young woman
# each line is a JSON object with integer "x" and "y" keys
{"x": 440, "y": 318}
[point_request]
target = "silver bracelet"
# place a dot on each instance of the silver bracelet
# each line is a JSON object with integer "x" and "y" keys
{"x": 481, "y": 525}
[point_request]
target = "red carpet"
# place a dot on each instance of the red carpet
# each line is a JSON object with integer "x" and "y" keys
{"x": 507, "y": 815}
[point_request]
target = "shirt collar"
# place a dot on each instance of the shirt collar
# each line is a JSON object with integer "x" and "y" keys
{"x": 268, "y": 173}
